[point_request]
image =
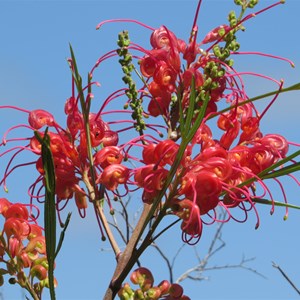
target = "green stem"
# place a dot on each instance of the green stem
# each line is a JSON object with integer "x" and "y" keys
{"x": 270, "y": 202}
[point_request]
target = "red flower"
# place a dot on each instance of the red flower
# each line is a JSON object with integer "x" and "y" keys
{"x": 113, "y": 175}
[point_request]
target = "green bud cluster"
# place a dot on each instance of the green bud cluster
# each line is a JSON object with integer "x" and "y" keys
{"x": 231, "y": 44}
{"x": 132, "y": 94}
{"x": 212, "y": 72}
{"x": 245, "y": 3}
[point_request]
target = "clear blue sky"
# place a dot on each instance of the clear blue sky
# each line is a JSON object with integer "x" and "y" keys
{"x": 34, "y": 74}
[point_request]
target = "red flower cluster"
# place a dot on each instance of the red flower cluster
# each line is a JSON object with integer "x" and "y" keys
{"x": 184, "y": 84}
{"x": 22, "y": 246}
{"x": 163, "y": 64}
{"x": 144, "y": 278}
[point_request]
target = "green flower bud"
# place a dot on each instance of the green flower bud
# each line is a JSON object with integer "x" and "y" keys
{"x": 217, "y": 51}
{"x": 124, "y": 67}
{"x": 238, "y": 2}
{"x": 252, "y": 3}
{"x": 207, "y": 84}
{"x": 139, "y": 295}
{"x": 230, "y": 62}
{"x": 232, "y": 19}
{"x": 126, "y": 293}
{"x": 153, "y": 293}
{"x": 234, "y": 46}
{"x": 221, "y": 73}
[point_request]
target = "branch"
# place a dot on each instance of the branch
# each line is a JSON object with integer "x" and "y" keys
{"x": 127, "y": 258}
{"x": 212, "y": 250}
{"x": 165, "y": 258}
{"x": 286, "y": 277}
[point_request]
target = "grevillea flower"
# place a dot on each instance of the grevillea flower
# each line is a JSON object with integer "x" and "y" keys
{"x": 40, "y": 118}
{"x": 163, "y": 38}
{"x": 108, "y": 156}
{"x": 113, "y": 175}
{"x": 24, "y": 245}
{"x": 166, "y": 149}
{"x": 216, "y": 34}
{"x": 151, "y": 178}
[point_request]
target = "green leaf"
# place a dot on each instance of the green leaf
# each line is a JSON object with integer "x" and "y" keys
{"x": 190, "y": 111}
{"x": 283, "y": 171}
{"x": 78, "y": 82}
{"x": 279, "y": 163}
{"x": 62, "y": 234}
{"x": 49, "y": 206}
{"x": 269, "y": 173}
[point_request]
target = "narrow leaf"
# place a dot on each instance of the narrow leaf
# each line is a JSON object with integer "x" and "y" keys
{"x": 283, "y": 171}
{"x": 279, "y": 163}
{"x": 49, "y": 207}
{"x": 190, "y": 111}
{"x": 62, "y": 234}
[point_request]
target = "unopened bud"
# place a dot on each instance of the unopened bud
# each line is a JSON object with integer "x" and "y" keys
{"x": 252, "y": 3}
{"x": 12, "y": 280}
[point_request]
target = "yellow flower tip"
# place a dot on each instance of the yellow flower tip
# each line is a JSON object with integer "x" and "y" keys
{"x": 293, "y": 65}
{"x": 285, "y": 217}
{"x": 282, "y": 1}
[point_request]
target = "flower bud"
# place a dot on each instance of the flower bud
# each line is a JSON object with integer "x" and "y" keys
{"x": 80, "y": 199}
{"x": 125, "y": 293}
{"x": 176, "y": 290}
{"x": 252, "y": 3}
{"x": 39, "y": 118}
{"x": 164, "y": 287}
{"x": 4, "y": 205}
{"x": 17, "y": 210}
{"x": 153, "y": 293}
{"x": 139, "y": 295}
{"x": 39, "y": 272}
{"x": 143, "y": 277}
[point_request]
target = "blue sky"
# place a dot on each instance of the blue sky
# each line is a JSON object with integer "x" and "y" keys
{"x": 35, "y": 37}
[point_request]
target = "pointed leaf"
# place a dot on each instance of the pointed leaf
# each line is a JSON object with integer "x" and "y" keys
{"x": 49, "y": 206}
{"x": 62, "y": 234}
